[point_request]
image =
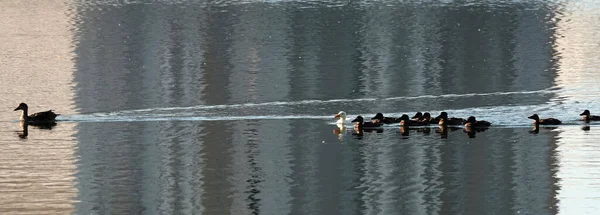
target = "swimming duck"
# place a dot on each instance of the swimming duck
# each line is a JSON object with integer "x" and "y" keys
{"x": 547, "y": 121}
{"x": 405, "y": 121}
{"x": 417, "y": 116}
{"x": 473, "y": 122}
{"x": 378, "y": 118}
{"x": 46, "y": 116}
{"x": 426, "y": 117}
{"x": 361, "y": 124}
{"x": 586, "y": 116}
{"x": 342, "y": 117}
{"x": 443, "y": 119}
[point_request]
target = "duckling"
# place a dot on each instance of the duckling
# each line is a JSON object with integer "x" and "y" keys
{"x": 473, "y": 122}
{"x": 417, "y": 116}
{"x": 586, "y": 116}
{"x": 342, "y": 117}
{"x": 361, "y": 124}
{"x": 443, "y": 119}
{"x": 405, "y": 121}
{"x": 378, "y": 118}
{"x": 547, "y": 121}
{"x": 426, "y": 117}
{"x": 46, "y": 116}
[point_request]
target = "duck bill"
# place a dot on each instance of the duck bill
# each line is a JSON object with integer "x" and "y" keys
{"x": 336, "y": 116}
{"x": 582, "y": 114}
{"x": 530, "y": 117}
{"x": 18, "y": 108}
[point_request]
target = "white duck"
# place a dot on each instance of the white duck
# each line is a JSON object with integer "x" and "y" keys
{"x": 342, "y": 117}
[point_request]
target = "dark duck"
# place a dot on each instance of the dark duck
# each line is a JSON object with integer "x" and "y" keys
{"x": 40, "y": 117}
{"x": 379, "y": 118}
{"x": 546, "y": 121}
{"x": 417, "y": 116}
{"x": 361, "y": 124}
{"x": 405, "y": 121}
{"x": 586, "y": 116}
{"x": 444, "y": 120}
{"x": 473, "y": 122}
{"x": 426, "y": 118}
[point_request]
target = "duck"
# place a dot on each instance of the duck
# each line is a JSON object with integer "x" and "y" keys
{"x": 417, "y": 116}
{"x": 342, "y": 117}
{"x": 405, "y": 121}
{"x": 547, "y": 121}
{"x": 426, "y": 117}
{"x": 359, "y": 123}
{"x": 443, "y": 119}
{"x": 378, "y": 118}
{"x": 40, "y": 117}
{"x": 586, "y": 116}
{"x": 473, "y": 122}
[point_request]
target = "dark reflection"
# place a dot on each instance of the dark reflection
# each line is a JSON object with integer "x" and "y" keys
{"x": 472, "y": 131}
{"x": 585, "y": 127}
{"x": 405, "y": 130}
{"x": 536, "y": 128}
{"x": 444, "y": 129}
{"x": 39, "y": 125}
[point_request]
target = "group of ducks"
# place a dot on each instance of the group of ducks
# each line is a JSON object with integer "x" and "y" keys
{"x": 419, "y": 119}
{"x": 425, "y": 119}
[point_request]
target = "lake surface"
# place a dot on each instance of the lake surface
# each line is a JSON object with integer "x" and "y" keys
{"x": 226, "y": 107}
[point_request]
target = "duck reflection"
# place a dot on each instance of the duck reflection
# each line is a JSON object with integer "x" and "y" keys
{"x": 24, "y": 132}
{"x": 339, "y": 131}
{"x": 585, "y": 128}
{"x": 444, "y": 129}
{"x": 536, "y": 128}
{"x": 472, "y": 131}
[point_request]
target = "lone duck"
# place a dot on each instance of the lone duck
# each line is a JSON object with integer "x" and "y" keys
{"x": 473, "y": 122}
{"x": 46, "y": 116}
{"x": 378, "y": 118}
{"x": 547, "y": 121}
{"x": 359, "y": 123}
{"x": 586, "y": 116}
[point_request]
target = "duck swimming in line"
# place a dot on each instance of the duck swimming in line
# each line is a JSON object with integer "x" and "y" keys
{"x": 547, "y": 121}
{"x": 405, "y": 121}
{"x": 473, "y": 122}
{"x": 586, "y": 116}
{"x": 448, "y": 121}
{"x": 41, "y": 117}
{"x": 378, "y": 118}
{"x": 361, "y": 124}
{"x": 417, "y": 116}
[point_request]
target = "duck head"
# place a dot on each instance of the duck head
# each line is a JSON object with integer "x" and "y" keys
{"x": 534, "y": 117}
{"x": 417, "y": 115}
{"x": 358, "y": 120}
{"x": 426, "y": 116}
{"x": 341, "y": 115}
{"x": 22, "y": 106}
{"x": 585, "y": 113}
{"x": 377, "y": 118}
{"x": 470, "y": 121}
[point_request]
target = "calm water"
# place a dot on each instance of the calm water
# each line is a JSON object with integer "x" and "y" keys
{"x": 180, "y": 107}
